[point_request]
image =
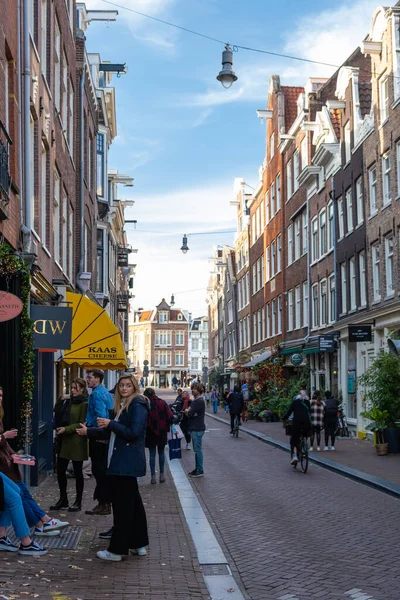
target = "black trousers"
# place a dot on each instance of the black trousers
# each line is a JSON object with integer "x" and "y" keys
{"x": 298, "y": 429}
{"x": 330, "y": 429}
{"x": 316, "y": 431}
{"x": 62, "y": 465}
{"x": 233, "y": 420}
{"x": 98, "y": 454}
{"x": 130, "y": 522}
{"x": 186, "y": 432}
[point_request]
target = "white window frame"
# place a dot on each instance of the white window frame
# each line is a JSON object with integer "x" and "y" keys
{"x": 363, "y": 278}
{"x": 56, "y": 218}
{"x": 179, "y": 358}
{"x": 386, "y": 180}
{"x": 296, "y": 170}
{"x": 373, "y": 196}
{"x": 376, "y": 273}
{"x": 322, "y": 233}
{"x": 323, "y": 301}
{"x": 331, "y": 226}
{"x": 340, "y": 217}
{"x": 290, "y": 310}
{"x": 360, "y": 201}
{"x": 304, "y": 227}
{"x": 272, "y": 145}
{"x": 279, "y": 253}
{"x": 267, "y": 213}
{"x": 273, "y": 317}
{"x": 343, "y": 287}
{"x": 297, "y": 238}
{"x": 305, "y": 303}
{"x": 272, "y": 199}
{"x": 43, "y": 36}
{"x": 347, "y": 143}
{"x": 278, "y": 192}
{"x": 349, "y": 210}
{"x": 331, "y": 298}
{"x": 43, "y": 196}
{"x": 297, "y": 305}
{"x": 314, "y": 239}
{"x": 290, "y": 244}
{"x": 268, "y": 262}
{"x": 268, "y": 321}
{"x": 279, "y": 323}
{"x": 314, "y": 305}
{"x": 273, "y": 259}
{"x": 57, "y": 66}
{"x": 389, "y": 265}
{"x": 352, "y": 277}
{"x": 289, "y": 180}
{"x": 383, "y": 98}
{"x": 304, "y": 152}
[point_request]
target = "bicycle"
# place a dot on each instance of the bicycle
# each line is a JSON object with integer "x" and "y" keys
{"x": 236, "y": 425}
{"x": 342, "y": 429}
{"x": 302, "y": 453}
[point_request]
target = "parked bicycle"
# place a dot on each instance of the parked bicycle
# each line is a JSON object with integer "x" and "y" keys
{"x": 342, "y": 429}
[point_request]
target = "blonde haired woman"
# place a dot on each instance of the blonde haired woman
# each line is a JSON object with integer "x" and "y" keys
{"x": 126, "y": 462}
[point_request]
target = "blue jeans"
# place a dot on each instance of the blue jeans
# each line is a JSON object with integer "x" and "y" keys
{"x": 13, "y": 513}
{"x": 215, "y": 406}
{"x": 197, "y": 439}
{"x": 33, "y": 512}
{"x": 161, "y": 458}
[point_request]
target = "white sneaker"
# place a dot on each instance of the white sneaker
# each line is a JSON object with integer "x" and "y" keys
{"x": 318, "y": 449}
{"x": 42, "y": 532}
{"x": 326, "y": 448}
{"x": 332, "y": 447}
{"x": 187, "y": 446}
{"x": 294, "y": 460}
{"x": 106, "y": 555}
{"x": 311, "y": 449}
{"x": 53, "y": 524}
{"x": 139, "y": 551}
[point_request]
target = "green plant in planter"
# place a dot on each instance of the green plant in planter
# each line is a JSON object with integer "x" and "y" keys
{"x": 381, "y": 387}
{"x": 379, "y": 420}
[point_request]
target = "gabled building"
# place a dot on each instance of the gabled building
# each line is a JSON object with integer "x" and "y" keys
{"x": 198, "y": 347}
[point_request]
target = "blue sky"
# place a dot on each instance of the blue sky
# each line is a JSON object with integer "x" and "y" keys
{"x": 183, "y": 137}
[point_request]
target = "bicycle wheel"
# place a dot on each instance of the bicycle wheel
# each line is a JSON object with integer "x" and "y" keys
{"x": 304, "y": 456}
{"x": 236, "y": 430}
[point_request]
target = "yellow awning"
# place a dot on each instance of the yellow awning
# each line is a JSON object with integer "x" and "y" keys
{"x": 96, "y": 340}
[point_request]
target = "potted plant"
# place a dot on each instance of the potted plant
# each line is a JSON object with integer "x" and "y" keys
{"x": 381, "y": 391}
{"x": 379, "y": 419}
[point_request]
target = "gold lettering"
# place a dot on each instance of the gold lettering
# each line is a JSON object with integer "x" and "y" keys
{"x": 36, "y": 326}
{"x": 56, "y": 326}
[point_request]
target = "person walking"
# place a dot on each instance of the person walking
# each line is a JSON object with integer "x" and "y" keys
{"x": 186, "y": 402}
{"x": 214, "y": 400}
{"x": 71, "y": 446}
{"x": 317, "y": 410}
{"x": 126, "y": 461}
{"x": 196, "y": 426}
{"x": 34, "y": 514}
{"x": 330, "y": 420}
{"x": 12, "y": 513}
{"x": 236, "y": 404}
{"x": 100, "y": 406}
{"x": 158, "y": 426}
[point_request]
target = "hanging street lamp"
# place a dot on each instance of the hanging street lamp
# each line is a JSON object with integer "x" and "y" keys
{"x": 185, "y": 246}
{"x": 227, "y": 76}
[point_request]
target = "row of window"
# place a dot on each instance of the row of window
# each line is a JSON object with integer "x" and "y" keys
{"x": 322, "y": 233}
{"x": 162, "y": 358}
{"x": 164, "y": 338}
{"x": 273, "y": 254}
{"x": 294, "y": 167}
{"x": 230, "y": 346}
{"x": 243, "y": 291}
{"x": 258, "y": 274}
{"x": 195, "y": 344}
{"x": 242, "y": 255}
{"x": 297, "y": 307}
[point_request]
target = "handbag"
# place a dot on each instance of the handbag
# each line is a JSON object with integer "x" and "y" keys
{"x": 177, "y": 432}
{"x": 174, "y": 448}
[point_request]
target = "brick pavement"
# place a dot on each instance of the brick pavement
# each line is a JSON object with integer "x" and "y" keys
{"x": 170, "y": 571}
{"x": 290, "y": 535}
{"x": 351, "y": 452}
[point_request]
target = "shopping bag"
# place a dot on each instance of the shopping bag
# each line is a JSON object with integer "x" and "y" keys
{"x": 177, "y": 432}
{"x": 174, "y": 448}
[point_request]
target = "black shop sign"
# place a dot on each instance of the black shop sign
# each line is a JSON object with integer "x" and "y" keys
{"x": 326, "y": 343}
{"x": 360, "y": 333}
{"x": 52, "y": 327}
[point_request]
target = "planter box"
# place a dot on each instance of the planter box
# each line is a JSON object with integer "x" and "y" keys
{"x": 392, "y": 437}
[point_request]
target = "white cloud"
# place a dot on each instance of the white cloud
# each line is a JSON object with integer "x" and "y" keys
{"x": 162, "y": 268}
{"x": 144, "y": 29}
{"x": 329, "y": 36}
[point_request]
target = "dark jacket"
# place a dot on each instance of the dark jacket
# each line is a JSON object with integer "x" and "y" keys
{"x": 236, "y": 403}
{"x": 331, "y": 409}
{"x": 7, "y": 466}
{"x": 128, "y": 457}
{"x": 301, "y": 412}
{"x": 196, "y": 413}
{"x": 158, "y": 422}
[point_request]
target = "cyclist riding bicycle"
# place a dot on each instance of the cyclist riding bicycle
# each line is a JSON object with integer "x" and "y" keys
{"x": 236, "y": 404}
{"x": 301, "y": 423}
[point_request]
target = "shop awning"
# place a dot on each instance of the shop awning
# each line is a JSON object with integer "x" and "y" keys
{"x": 293, "y": 350}
{"x": 258, "y": 359}
{"x": 96, "y": 340}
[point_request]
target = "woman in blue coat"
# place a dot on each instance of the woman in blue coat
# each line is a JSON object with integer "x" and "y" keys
{"x": 126, "y": 462}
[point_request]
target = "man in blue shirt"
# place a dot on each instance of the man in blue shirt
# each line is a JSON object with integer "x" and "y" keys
{"x": 101, "y": 404}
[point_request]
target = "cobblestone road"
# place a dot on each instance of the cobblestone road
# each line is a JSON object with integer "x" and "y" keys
{"x": 294, "y": 536}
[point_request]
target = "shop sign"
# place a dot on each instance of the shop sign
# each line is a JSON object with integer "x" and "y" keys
{"x": 296, "y": 359}
{"x": 123, "y": 254}
{"x": 326, "y": 343}
{"x": 351, "y": 381}
{"x": 10, "y": 306}
{"x": 52, "y": 326}
{"x": 360, "y": 333}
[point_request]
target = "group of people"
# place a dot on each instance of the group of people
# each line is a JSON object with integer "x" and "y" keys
{"x": 309, "y": 418}
{"x": 113, "y": 430}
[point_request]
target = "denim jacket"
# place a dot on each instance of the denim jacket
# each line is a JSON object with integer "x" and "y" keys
{"x": 128, "y": 455}
{"x": 100, "y": 403}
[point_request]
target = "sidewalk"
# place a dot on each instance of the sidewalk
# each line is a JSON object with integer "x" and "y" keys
{"x": 169, "y": 571}
{"x": 351, "y": 453}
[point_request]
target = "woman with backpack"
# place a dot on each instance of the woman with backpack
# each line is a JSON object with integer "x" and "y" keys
{"x": 158, "y": 425}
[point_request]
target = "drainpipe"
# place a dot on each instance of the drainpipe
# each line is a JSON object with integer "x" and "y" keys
{"x": 28, "y": 183}
{"x": 81, "y": 287}
{"x": 20, "y": 161}
{"x": 309, "y": 268}
{"x": 335, "y": 269}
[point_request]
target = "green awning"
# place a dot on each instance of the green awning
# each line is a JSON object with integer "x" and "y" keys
{"x": 291, "y": 350}
{"x": 311, "y": 350}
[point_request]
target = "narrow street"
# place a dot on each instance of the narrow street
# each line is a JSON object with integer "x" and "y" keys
{"x": 290, "y": 535}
